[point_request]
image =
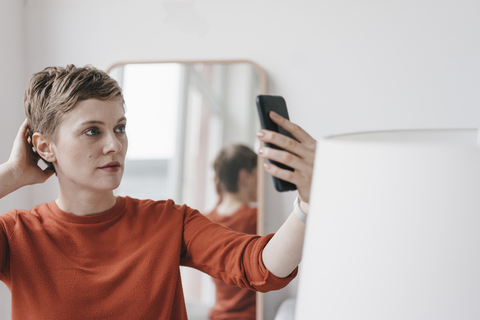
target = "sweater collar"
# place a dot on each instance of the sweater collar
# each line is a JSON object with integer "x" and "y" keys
{"x": 97, "y": 218}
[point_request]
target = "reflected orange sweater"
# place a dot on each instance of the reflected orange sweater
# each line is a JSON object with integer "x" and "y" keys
{"x": 122, "y": 263}
{"x": 233, "y": 302}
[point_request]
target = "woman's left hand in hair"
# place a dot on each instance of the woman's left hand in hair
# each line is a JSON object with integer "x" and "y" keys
{"x": 299, "y": 154}
{"x": 23, "y": 161}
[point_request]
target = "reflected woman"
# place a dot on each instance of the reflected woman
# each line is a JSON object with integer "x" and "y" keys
{"x": 236, "y": 182}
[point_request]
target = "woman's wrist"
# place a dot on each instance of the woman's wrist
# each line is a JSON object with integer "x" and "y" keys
{"x": 300, "y": 208}
{"x": 8, "y": 179}
{"x": 304, "y": 206}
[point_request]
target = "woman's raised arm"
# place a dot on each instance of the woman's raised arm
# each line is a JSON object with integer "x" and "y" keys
{"x": 284, "y": 251}
{"x": 22, "y": 168}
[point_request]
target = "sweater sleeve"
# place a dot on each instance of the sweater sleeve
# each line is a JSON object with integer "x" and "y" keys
{"x": 233, "y": 257}
{"x": 7, "y": 223}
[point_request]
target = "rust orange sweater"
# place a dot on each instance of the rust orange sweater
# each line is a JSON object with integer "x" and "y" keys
{"x": 233, "y": 302}
{"x": 122, "y": 263}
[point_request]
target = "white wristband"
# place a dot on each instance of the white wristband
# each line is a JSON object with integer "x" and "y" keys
{"x": 302, "y": 216}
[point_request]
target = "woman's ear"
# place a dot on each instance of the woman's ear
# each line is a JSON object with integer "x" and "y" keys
{"x": 43, "y": 146}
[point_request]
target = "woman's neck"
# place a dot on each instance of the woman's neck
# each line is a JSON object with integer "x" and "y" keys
{"x": 86, "y": 203}
{"x": 231, "y": 202}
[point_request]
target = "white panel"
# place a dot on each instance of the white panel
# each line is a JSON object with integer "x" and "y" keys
{"x": 393, "y": 230}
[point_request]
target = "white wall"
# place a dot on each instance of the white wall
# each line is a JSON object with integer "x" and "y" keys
{"x": 342, "y": 65}
{"x": 12, "y": 83}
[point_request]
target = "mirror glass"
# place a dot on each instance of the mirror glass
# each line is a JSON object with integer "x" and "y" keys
{"x": 179, "y": 115}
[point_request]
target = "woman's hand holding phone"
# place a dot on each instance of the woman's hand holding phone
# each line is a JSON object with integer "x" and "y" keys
{"x": 284, "y": 251}
{"x": 298, "y": 153}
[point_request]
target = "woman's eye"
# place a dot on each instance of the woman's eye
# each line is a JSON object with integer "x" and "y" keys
{"x": 120, "y": 129}
{"x": 92, "y": 132}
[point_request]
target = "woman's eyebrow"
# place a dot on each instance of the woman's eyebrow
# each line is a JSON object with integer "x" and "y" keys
{"x": 92, "y": 122}
{"x": 101, "y": 122}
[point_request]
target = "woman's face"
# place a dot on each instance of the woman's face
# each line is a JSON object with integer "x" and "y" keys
{"x": 90, "y": 146}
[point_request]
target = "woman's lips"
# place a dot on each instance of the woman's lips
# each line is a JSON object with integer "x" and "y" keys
{"x": 113, "y": 166}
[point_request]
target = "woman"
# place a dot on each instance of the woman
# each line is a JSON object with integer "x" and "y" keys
{"x": 92, "y": 255}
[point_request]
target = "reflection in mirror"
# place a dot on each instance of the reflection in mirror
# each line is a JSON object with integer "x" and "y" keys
{"x": 179, "y": 116}
{"x": 236, "y": 183}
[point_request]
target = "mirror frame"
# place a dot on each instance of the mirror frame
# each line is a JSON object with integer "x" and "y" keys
{"x": 260, "y": 171}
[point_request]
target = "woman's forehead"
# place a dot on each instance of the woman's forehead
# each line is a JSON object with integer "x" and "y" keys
{"x": 94, "y": 110}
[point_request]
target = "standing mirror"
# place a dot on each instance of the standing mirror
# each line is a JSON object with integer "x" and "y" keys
{"x": 179, "y": 115}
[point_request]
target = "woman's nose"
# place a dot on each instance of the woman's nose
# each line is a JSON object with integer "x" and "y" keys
{"x": 113, "y": 144}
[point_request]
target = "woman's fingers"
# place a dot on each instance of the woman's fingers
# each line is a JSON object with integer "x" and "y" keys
{"x": 301, "y": 167}
{"x": 22, "y": 131}
{"x": 293, "y": 150}
{"x": 298, "y": 153}
{"x": 23, "y": 159}
{"x": 304, "y": 145}
{"x": 283, "y": 157}
{"x": 302, "y": 179}
{"x": 297, "y": 177}
{"x": 299, "y": 134}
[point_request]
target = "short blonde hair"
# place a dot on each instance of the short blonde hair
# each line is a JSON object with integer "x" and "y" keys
{"x": 53, "y": 92}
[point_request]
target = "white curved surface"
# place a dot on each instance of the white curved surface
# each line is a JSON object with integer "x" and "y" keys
{"x": 394, "y": 228}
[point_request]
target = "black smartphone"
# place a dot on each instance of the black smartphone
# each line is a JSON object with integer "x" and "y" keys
{"x": 265, "y": 104}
